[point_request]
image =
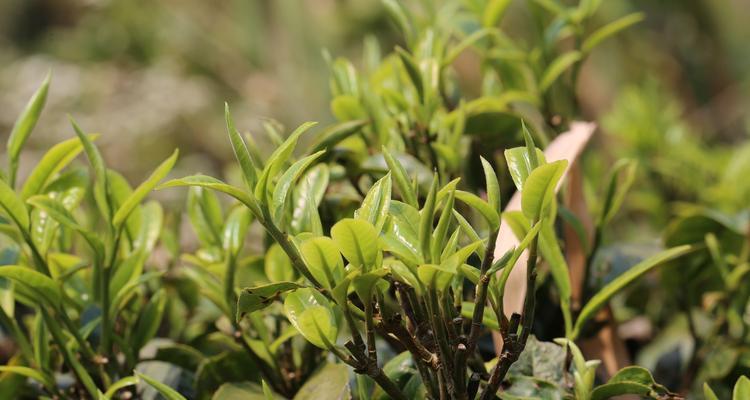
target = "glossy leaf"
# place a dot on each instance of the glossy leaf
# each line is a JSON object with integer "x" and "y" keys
{"x": 490, "y": 214}
{"x": 311, "y": 314}
{"x": 401, "y": 179}
{"x": 492, "y": 185}
{"x": 149, "y": 320}
{"x": 323, "y": 259}
{"x": 539, "y": 189}
{"x": 357, "y": 240}
{"x": 426, "y": 218}
{"x": 60, "y": 214}
{"x": 276, "y": 162}
{"x": 741, "y": 389}
{"x": 520, "y": 165}
{"x": 54, "y": 160}
{"x": 336, "y": 133}
{"x": 284, "y": 185}
{"x": 278, "y": 267}
{"x": 330, "y": 382}
{"x": 376, "y": 204}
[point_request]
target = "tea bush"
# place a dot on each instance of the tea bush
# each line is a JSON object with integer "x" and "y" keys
{"x": 365, "y": 263}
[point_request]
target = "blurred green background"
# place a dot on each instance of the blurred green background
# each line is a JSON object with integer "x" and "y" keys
{"x": 151, "y": 76}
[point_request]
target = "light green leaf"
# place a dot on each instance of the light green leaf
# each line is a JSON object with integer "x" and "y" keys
{"x": 435, "y": 276}
{"x": 276, "y": 162}
{"x": 741, "y": 389}
{"x": 336, "y": 133}
{"x": 54, "y": 160}
{"x": 401, "y": 179}
{"x": 101, "y": 187}
{"x": 235, "y": 229}
{"x": 143, "y": 190}
{"x": 14, "y": 207}
{"x": 258, "y": 298}
{"x": 164, "y": 390}
{"x": 357, "y": 240}
{"x": 364, "y": 283}
{"x": 240, "y": 150}
{"x": 539, "y": 189}
{"x": 37, "y": 282}
{"x": 24, "y": 125}
{"x": 490, "y": 214}
{"x": 400, "y": 234}
{"x": 493, "y": 186}
{"x": 493, "y": 12}
{"x": 38, "y": 376}
{"x": 323, "y": 259}
{"x": 426, "y": 218}
{"x": 610, "y": 29}
{"x": 557, "y": 67}
{"x": 278, "y": 267}
{"x": 205, "y": 215}
{"x": 376, "y": 204}
{"x": 60, "y": 214}
{"x": 122, "y": 383}
{"x": 212, "y": 183}
{"x": 311, "y": 314}
{"x": 708, "y": 393}
{"x": 519, "y": 164}
{"x": 603, "y": 295}
{"x": 288, "y": 178}
{"x": 307, "y": 197}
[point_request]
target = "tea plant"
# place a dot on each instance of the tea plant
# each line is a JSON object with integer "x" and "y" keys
{"x": 78, "y": 272}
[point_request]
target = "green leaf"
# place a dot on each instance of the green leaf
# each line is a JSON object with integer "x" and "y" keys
{"x": 435, "y": 276}
{"x": 235, "y": 229}
{"x": 708, "y": 393}
{"x": 520, "y": 164}
{"x": 401, "y": 179}
{"x": 101, "y": 187}
{"x": 239, "y": 391}
{"x": 741, "y": 389}
{"x": 240, "y": 150}
{"x": 278, "y": 267}
{"x": 493, "y": 186}
{"x": 437, "y": 244}
{"x": 205, "y": 215}
{"x": 276, "y": 162}
{"x": 149, "y": 320}
{"x": 601, "y": 297}
{"x": 54, "y": 160}
{"x": 121, "y": 383}
{"x": 60, "y": 214}
{"x": 611, "y": 29}
{"x": 490, "y": 214}
{"x": 364, "y": 283}
{"x": 258, "y": 298}
{"x": 412, "y": 70}
{"x": 617, "y": 189}
{"x": 38, "y": 376}
{"x": 311, "y": 314}
{"x": 164, "y": 390}
{"x": 323, "y": 259}
{"x": 212, "y": 183}
{"x": 357, "y": 240}
{"x": 493, "y": 12}
{"x": 14, "y": 207}
{"x": 288, "y": 178}
{"x": 399, "y": 14}
{"x": 426, "y": 218}
{"x": 539, "y": 189}
{"x": 336, "y": 133}
{"x": 267, "y": 390}
{"x": 376, "y": 204}
{"x": 464, "y": 44}
{"x": 557, "y": 67}
{"x": 24, "y": 125}
{"x": 37, "y": 282}
{"x": 143, "y": 190}
{"x": 400, "y": 236}
{"x": 330, "y": 382}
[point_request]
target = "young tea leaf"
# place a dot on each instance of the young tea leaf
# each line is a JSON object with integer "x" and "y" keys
{"x": 164, "y": 390}
{"x": 24, "y": 125}
{"x": 357, "y": 240}
{"x": 539, "y": 189}
{"x": 375, "y": 206}
{"x": 240, "y": 151}
{"x": 258, "y": 298}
